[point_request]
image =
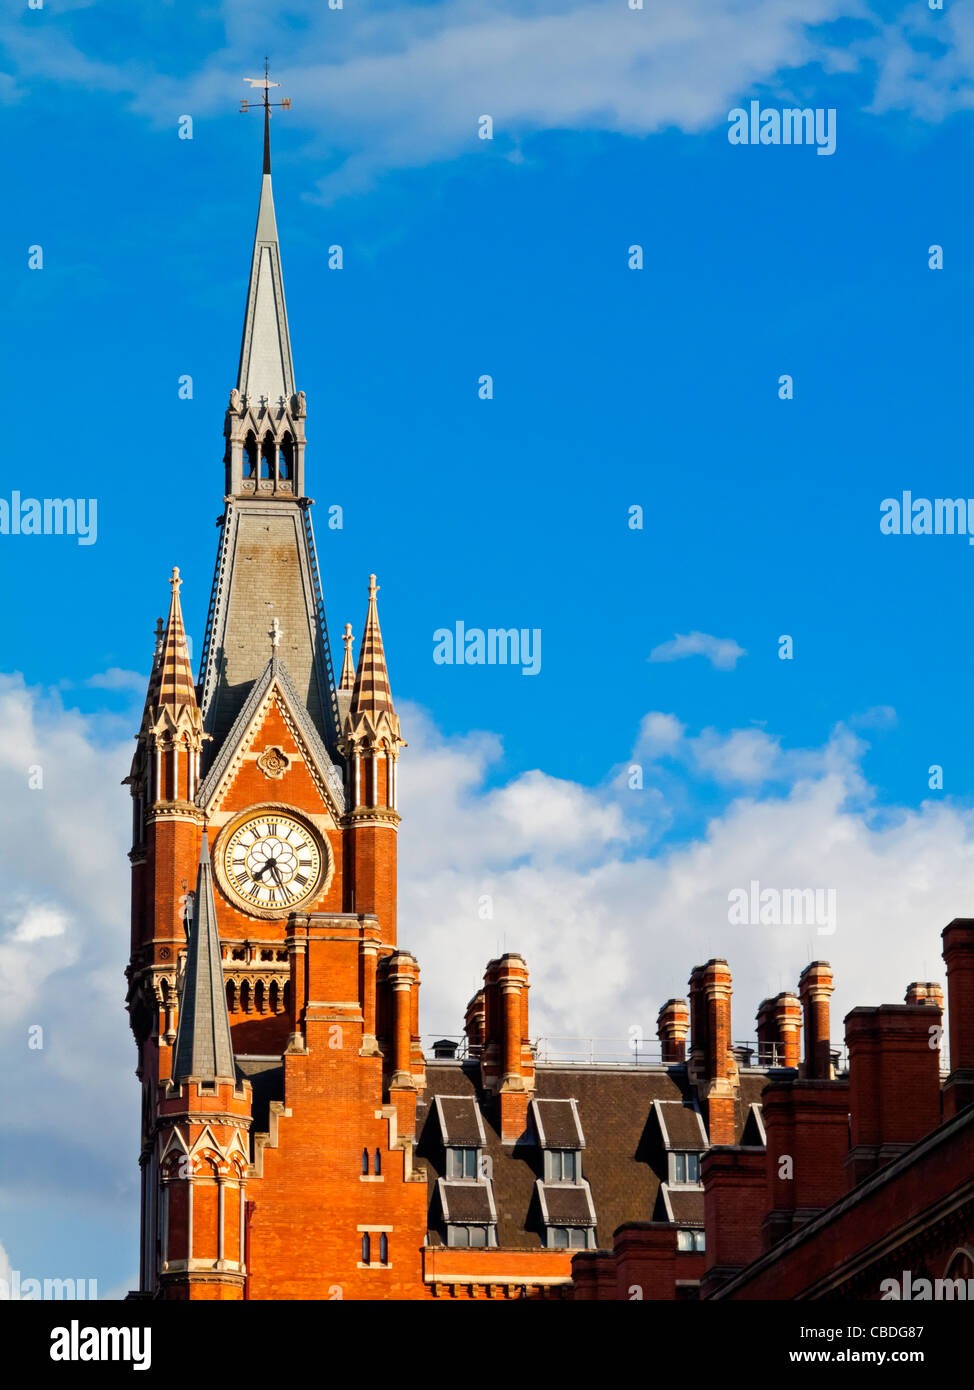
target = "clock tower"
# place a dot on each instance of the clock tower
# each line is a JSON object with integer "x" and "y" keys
{"x": 276, "y": 1019}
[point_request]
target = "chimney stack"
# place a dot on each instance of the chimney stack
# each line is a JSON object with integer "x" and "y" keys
{"x": 958, "y": 939}
{"x": 788, "y": 1022}
{"x": 925, "y": 992}
{"x": 506, "y": 1059}
{"x": 894, "y": 1082}
{"x": 815, "y": 984}
{"x": 769, "y": 1043}
{"x": 672, "y": 1024}
{"x": 713, "y": 1068}
{"x": 473, "y": 1024}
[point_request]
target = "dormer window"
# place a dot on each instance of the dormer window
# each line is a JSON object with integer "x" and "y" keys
{"x": 465, "y": 1193}
{"x": 684, "y": 1168}
{"x": 570, "y": 1238}
{"x": 462, "y": 1164}
{"x": 562, "y": 1165}
{"x": 565, "y": 1207}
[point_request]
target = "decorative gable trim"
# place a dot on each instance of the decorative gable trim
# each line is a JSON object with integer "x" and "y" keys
{"x": 274, "y": 686}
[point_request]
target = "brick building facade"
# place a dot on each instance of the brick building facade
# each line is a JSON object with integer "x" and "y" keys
{"x": 297, "y": 1143}
{"x": 862, "y": 1184}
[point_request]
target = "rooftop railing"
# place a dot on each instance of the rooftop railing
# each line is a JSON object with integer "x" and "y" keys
{"x": 551, "y": 1050}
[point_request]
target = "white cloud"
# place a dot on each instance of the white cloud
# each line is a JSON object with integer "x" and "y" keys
{"x": 115, "y": 678}
{"x": 723, "y": 653}
{"x": 63, "y": 944}
{"x": 404, "y": 87}
{"x": 609, "y": 935}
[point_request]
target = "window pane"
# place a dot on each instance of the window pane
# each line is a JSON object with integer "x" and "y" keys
{"x": 684, "y": 1240}
{"x": 557, "y": 1236}
{"x": 478, "y": 1235}
{"x": 679, "y": 1167}
{"x": 470, "y": 1163}
{"x": 693, "y": 1167}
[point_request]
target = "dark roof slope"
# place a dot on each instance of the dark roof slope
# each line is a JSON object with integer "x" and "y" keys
{"x": 621, "y": 1157}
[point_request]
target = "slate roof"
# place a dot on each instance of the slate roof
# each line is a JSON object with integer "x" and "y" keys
{"x": 460, "y": 1122}
{"x": 624, "y": 1159}
{"x": 466, "y": 1202}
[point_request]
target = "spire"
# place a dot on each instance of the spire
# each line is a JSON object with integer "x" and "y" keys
{"x": 371, "y": 694}
{"x": 171, "y": 686}
{"x": 265, "y": 352}
{"x": 347, "y": 681}
{"x": 203, "y": 1050}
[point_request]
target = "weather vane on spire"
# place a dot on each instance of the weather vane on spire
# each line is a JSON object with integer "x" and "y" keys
{"x": 245, "y": 105}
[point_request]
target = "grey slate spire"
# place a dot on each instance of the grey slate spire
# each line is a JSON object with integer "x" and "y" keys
{"x": 266, "y": 565}
{"x": 265, "y": 351}
{"x": 203, "y": 1049}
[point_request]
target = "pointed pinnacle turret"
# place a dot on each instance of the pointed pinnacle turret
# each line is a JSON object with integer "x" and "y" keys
{"x": 172, "y": 684}
{"x": 347, "y": 681}
{"x": 203, "y": 1049}
{"x": 372, "y": 716}
{"x": 171, "y": 717}
{"x": 371, "y": 694}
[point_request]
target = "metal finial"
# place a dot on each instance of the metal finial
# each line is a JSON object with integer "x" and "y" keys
{"x": 266, "y": 84}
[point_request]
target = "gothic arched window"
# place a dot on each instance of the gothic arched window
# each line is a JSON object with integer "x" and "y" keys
{"x": 365, "y": 1161}
{"x": 366, "y": 1249}
{"x": 285, "y": 464}
{"x": 378, "y": 1162}
{"x": 250, "y": 456}
{"x": 267, "y": 456}
{"x": 383, "y": 1249}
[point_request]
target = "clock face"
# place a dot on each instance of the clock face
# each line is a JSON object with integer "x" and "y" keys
{"x": 272, "y": 862}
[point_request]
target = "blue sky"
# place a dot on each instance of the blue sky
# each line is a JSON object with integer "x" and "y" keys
{"x": 611, "y": 388}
